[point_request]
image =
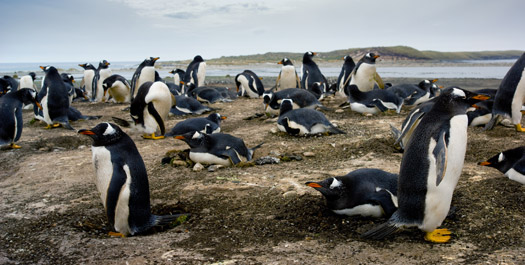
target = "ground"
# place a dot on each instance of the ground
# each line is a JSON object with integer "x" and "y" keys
{"x": 52, "y": 212}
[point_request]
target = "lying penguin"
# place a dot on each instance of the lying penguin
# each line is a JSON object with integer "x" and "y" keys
{"x": 366, "y": 192}
{"x": 122, "y": 181}
{"x": 510, "y": 162}
{"x": 303, "y": 121}
{"x": 374, "y": 101}
{"x": 300, "y": 97}
{"x": 209, "y": 125}
{"x": 218, "y": 148}
{"x": 188, "y": 105}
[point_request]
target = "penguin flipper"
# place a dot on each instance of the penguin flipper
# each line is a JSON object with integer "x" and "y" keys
{"x": 232, "y": 155}
{"x": 385, "y": 199}
{"x": 395, "y": 133}
{"x": 440, "y": 153}
{"x": 121, "y": 122}
{"x": 155, "y": 114}
{"x": 379, "y": 80}
{"x": 290, "y": 130}
{"x": 94, "y": 86}
{"x": 495, "y": 120}
{"x": 381, "y": 231}
{"x": 379, "y": 104}
{"x": 412, "y": 124}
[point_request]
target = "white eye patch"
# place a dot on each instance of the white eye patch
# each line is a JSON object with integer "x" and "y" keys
{"x": 458, "y": 93}
{"x": 109, "y": 130}
{"x": 336, "y": 183}
{"x": 501, "y": 157}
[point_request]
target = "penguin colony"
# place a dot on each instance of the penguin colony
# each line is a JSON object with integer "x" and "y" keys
{"x": 433, "y": 136}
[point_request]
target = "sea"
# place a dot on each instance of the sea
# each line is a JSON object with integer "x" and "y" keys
{"x": 457, "y": 69}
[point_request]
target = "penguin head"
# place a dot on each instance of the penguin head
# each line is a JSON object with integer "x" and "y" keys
{"x": 307, "y": 57}
{"x": 504, "y": 160}
{"x": 331, "y": 188}
{"x": 456, "y": 97}
{"x": 198, "y": 58}
{"x": 150, "y": 61}
{"x": 178, "y": 71}
{"x": 216, "y": 117}
{"x": 193, "y": 139}
{"x": 4, "y": 86}
{"x": 285, "y": 61}
{"x": 104, "y": 134}
{"x": 348, "y": 59}
{"x": 87, "y": 66}
{"x": 286, "y": 105}
{"x": 33, "y": 75}
{"x": 48, "y": 69}
{"x": 370, "y": 58}
{"x": 103, "y": 64}
{"x": 28, "y": 96}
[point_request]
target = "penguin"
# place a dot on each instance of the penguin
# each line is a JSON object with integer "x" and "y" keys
{"x": 178, "y": 76}
{"x": 188, "y": 105}
{"x": 28, "y": 81}
{"x": 174, "y": 89}
{"x": 69, "y": 80}
{"x": 510, "y": 162}
{"x": 208, "y": 125}
{"x": 288, "y": 77}
{"x": 122, "y": 180}
{"x": 101, "y": 74}
{"x": 415, "y": 94}
{"x": 410, "y": 123}
{"x": 510, "y": 96}
{"x": 145, "y": 72}
{"x": 206, "y": 94}
{"x": 480, "y": 114}
{"x": 218, "y": 148}
{"x": 373, "y": 101}
{"x": 430, "y": 168}
{"x": 365, "y": 192}
{"x": 303, "y": 121}
{"x": 365, "y": 75}
{"x": 11, "y": 122}
{"x": 150, "y": 108}
{"x": 311, "y": 73}
{"x": 4, "y": 87}
{"x": 195, "y": 73}
{"x": 13, "y": 83}
{"x": 300, "y": 97}
{"x": 249, "y": 84}
{"x": 55, "y": 100}
{"x": 118, "y": 88}
{"x": 345, "y": 75}
{"x": 87, "y": 79}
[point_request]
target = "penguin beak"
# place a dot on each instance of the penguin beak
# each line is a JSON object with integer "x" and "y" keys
{"x": 38, "y": 105}
{"x": 313, "y": 184}
{"x": 42, "y": 67}
{"x": 223, "y": 117}
{"x": 434, "y": 81}
{"x": 481, "y": 97}
{"x": 280, "y": 62}
{"x": 377, "y": 56}
{"x": 485, "y": 163}
{"x": 179, "y": 137}
{"x": 156, "y": 58}
{"x": 86, "y": 132}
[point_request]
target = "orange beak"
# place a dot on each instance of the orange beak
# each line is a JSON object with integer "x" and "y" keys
{"x": 314, "y": 185}
{"x": 486, "y": 163}
{"x": 481, "y": 97}
{"x": 179, "y": 137}
{"x": 86, "y": 132}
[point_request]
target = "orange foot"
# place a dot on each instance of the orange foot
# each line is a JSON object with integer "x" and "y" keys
{"x": 518, "y": 128}
{"x": 152, "y": 136}
{"x": 438, "y": 236}
{"x": 116, "y": 234}
{"x": 14, "y": 146}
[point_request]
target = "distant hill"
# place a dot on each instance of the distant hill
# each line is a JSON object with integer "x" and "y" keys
{"x": 394, "y": 53}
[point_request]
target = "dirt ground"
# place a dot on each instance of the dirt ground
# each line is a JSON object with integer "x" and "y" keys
{"x": 52, "y": 213}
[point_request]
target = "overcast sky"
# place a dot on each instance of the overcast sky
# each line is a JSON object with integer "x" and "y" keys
{"x": 131, "y": 30}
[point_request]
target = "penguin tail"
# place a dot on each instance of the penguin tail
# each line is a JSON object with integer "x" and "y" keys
{"x": 381, "y": 231}
{"x": 92, "y": 117}
{"x": 121, "y": 122}
{"x": 324, "y": 107}
{"x": 395, "y": 133}
{"x": 67, "y": 126}
{"x": 257, "y": 146}
{"x": 335, "y": 130}
{"x": 174, "y": 219}
{"x": 495, "y": 120}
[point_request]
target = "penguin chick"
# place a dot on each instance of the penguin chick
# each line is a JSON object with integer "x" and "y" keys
{"x": 122, "y": 180}
{"x": 366, "y": 192}
{"x": 510, "y": 162}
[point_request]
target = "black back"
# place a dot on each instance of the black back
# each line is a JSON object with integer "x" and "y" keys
{"x": 507, "y": 88}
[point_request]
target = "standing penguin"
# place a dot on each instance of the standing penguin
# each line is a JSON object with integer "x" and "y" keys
{"x": 55, "y": 99}
{"x": 178, "y": 76}
{"x": 365, "y": 75}
{"x": 11, "y": 123}
{"x": 122, "y": 181}
{"x": 249, "y": 84}
{"x": 430, "y": 168}
{"x": 28, "y": 81}
{"x": 151, "y": 107}
{"x": 510, "y": 162}
{"x": 145, "y": 73}
{"x": 87, "y": 80}
{"x": 510, "y": 96}
{"x": 101, "y": 74}
{"x": 195, "y": 73}
{"x": 288, "y": 77}
{"x": 345, "y": 75}
{"x": 118, "y": 89}
{"x": 311, "y": 73}
{"x": 13, "y": 83}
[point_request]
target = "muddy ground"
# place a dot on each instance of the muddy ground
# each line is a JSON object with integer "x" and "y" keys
{"x": 51, "y": 212}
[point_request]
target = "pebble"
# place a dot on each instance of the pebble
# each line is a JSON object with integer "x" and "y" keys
{"x": 339, "y": 110}
{"x": 290, "y": 194}
{"x": 309, "y": 154}
{"x": 198, "y": 167}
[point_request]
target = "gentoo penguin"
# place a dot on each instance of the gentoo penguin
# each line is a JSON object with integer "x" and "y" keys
{"x": 209, "y": 125}
{"x": 195, "y": 73}
{"x": 13, "y": 83}
{"x": 366, "y": 192}
{"x": 150, "y": 108}
{"x": 4, "y": 87}
{"x": 101, "y": 74}
{"x": 145, "y": 72}
{"x": 414, "y": 94}
{"x": 480, "y": 114}
{"x": 510, "y": 162}
{"x": 510, "y": 96}
{"x": 303, "y": 121}
{"x": 122, "y": 181}
{"x": 87, "y": 79}
{"x": 365, "y": 75}
{"x": 373, "y": 101}
{"x": 188, "y": 105}
{"x": 28, "y": 81}
{"x": 11, "y": 123}
{"x": 410, "y": 123}
{"x": 55, "y": 100}
{"x": 345, "y": 75}
{"x": 301, "y": 99}
{"x": 218, "y": 148}
{"x": 178, "y": 76}
{"x": 118, "y": 89}
{"x": 249, "y": 84}
{"x": 288, "y": 77}
{"x": 69, "y": 81}
{"x": 430, "y": 168}
{"x": 311, "y": 73}
{"x": 206, "y": 94}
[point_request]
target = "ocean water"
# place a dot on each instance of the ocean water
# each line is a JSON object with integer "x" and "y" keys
{"x": 475, "y": 69}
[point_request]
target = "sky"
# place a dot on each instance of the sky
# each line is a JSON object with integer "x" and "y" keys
{"x": 131, "y": 30}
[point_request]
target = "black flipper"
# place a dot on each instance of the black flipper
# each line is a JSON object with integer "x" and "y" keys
{"x": 289, "y": 129}
{"x": 155, "y": 114}
{"x": 232, "y": 155}
{"x": 385, "y": 199}
{"x": 121, "y": 122}
{"x": 379, "y": 105}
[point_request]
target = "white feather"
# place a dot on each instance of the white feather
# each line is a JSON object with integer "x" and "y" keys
{"x": 363, "y": 210}
{"x": 515, "y": 175}
{"x": 122, "y": 208}
{"x": 288, "y": 77}
{"x": 364, "y": 77}
{"x": 206, "y": 158}
{"x": 518, "y": 100}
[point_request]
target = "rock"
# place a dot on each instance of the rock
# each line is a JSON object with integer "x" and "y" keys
{"x": 214, "y": 168}
{"x": 267, "y": 160}
{"x": 339, "y": 110}
{"x": 309, "y": 154}
{"x": 198, "y": 167}
{"x": 290, "y": 194}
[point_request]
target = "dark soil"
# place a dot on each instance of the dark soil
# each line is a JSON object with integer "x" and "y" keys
{"x": 52, "y": 214}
